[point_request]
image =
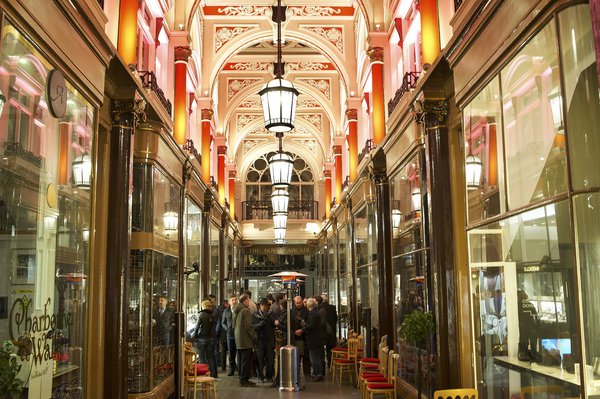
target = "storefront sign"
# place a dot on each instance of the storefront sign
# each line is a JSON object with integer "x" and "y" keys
{"x": 56, "y": 93}
{"x": 280, "y": 250}
{"x": 31, "y": 331}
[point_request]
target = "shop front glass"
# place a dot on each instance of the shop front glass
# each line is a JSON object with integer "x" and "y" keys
{"x": 192, "y": 280}
{"x": 45, "y": 202}
{"x": 367, "y": 282}
{"x": 213, "y": 275}
{"x": 152, "y": 287}
{"x": 525, "y": 284}
{"x": 332, "y": 272}
{"x": 342, "y": 307}
{"x": 407, "y": 248}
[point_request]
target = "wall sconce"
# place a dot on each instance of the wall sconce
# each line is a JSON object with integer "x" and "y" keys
{"x": 82, "y": 171}
{"x": 556, "y": 105}
{"x": 416, "y": 199}
{"x": 85, "y": 234}
{"x": 396, "y": 218}
{"x": 170, "y": 218}
{"x": 473, "y": 167}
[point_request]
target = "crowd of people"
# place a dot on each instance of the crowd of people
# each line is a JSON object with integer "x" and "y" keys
{"x": 246, "y": 337}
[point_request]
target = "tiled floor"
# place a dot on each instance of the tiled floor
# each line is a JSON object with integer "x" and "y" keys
{"x": 229, "y": 388}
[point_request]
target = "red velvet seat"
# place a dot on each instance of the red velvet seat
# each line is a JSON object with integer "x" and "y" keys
{"x": 380, "y": 386}
{"x": 367, "y": 375}
{"x": 344, "y": 361}
{"x": 370, "y": 380}
{"x": 340, "y": 349}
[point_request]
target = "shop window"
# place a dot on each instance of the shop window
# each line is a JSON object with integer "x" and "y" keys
{"x": 522, "y": 284}
{"x": 483, "y": 154}
{"x": 45, "y": 212}
{"x": 536, "y": 164}
{"x": 193, "y": 264}
{"x": 165, "y": 206}
{"x": 581, "y": 94}
{"x": 213, "y": 275}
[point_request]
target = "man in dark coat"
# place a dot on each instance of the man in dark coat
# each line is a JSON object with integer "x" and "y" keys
{"x": 227, "y": 325}
{"x": 298, "y": 315}
{"x": 244, "y": 338}
{"x": 315, "y": 339}
{"x": 205, "y": 337}
{"x": 332, "y": 319}
{"x": 264, "y": 324}
{"x": 162, "y": 321}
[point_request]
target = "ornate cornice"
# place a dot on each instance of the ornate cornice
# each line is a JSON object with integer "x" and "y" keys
{"x": 375, "y": 54}
{"x": 221, "y": 150}
{"x": 430, "y": 112}
{"x": 208, "y": 202}
{"x": 224, "y": 34}
{"x": 182, "y": 53}
{"x": 207, "y": 114}
{"x": 352, "y": 114}
{"x": 128, "y": 113}
{"x": 323, "y": 85}
{"x": 234, "y": 86}
{"x": 335, "y": 35}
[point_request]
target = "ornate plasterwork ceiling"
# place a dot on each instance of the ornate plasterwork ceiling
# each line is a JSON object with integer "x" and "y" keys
{"x": 319, "y": 56}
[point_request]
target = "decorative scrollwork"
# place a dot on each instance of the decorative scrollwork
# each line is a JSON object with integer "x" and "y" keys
{"x": 431, "y": 112}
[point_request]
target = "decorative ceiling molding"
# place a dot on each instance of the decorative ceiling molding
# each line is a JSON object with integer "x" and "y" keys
{"x": 224, "y": 34}
{"x": 314, "y": 119}
{"x": 236, "y": 11}
{"x": 251, "y": 143}
{"x": 333, "y": 34}
{"x": 310, "y": 66}
{"x": 323, "y": 85}
{"x": 300, "y": 130}
{"x": 235, "y": 85}
{"x": 258, "y": 131}
{"x": 304, "y": 102}
{"x": 253, "y": 102}
{"x": 320, "y": 11}
{"x": 311, "y": 144}
{"x": 245, "y": 119}
{"x": 247, "y": 66}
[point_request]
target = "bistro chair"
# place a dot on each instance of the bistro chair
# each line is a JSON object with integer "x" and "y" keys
{"x": 340, "y": 352}
{"x": 372, "y": 363}
{"x": 460, "y": 393}
{"x": 346, "y": 365}
{"x": 388, "y": 388}
{"x": 379, "y": 375}
{"x": 195, "y": 374}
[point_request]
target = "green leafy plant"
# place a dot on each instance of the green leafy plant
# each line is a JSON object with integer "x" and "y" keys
{"x": 417, "y": 328}
{"x": 10, "y": 385}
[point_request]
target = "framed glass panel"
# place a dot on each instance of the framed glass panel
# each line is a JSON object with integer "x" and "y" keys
{"x": 484, "y": 169}
{"x": 332, "y": 272}
{"x": 343, "y": 273}
{"x": 45, "y": 213}
{"x": 194, "y": 250}
{"x": 166, "y": 206}
{"x": 213, "y": 283}
{"x": 582, "y": 97}
{"x": 523, "y": 303}
{"x": 536, "y": 164}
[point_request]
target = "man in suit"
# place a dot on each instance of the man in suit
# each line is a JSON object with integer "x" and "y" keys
{"x": 162, "y": 320}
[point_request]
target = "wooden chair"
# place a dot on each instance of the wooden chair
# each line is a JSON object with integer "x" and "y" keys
{"x": 388, "y": 388}
{"x": 372, "y": 363}
{"x": 193, "y": 376}
{"x": 461, "y": 393}
{"x": 379, "y": 375}
{"x": 342, "y": 353}
{"x": 346, "y": 365}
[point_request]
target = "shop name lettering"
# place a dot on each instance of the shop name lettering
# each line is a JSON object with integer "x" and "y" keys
{"x": 290, "y": 251}
{"x": 25, "y": 324}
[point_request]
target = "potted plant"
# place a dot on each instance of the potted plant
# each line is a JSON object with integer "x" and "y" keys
{"x": 10, "y": 385}
{"x": 416, "y": 330}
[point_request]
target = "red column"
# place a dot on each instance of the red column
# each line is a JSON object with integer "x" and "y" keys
{"x": 430, "y": 31}
{"x": 232, "y": 193}
{"x": 327, "y": 193}
{"x": 180, "y": 114}
{"x": 337, "y": 159}
{"x": 64, "y": 152}
{"x": 127, "y": 41}
{"x": 378, "y": 104}
{"x": 352, "y": 116}
{"x": 207, "y": 115}
{"x": 221, "y": 153}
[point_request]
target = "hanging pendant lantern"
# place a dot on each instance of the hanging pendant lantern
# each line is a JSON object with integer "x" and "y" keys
{"x": 279, "y": 97}
{"x": 280, "y": 200}
{"x": 279, "y": 233}
{"x": 473, "y": 166}
{"x": 280, "y": 220}
{"x": 170, "y": 218}
{"x": 281, "y": 166}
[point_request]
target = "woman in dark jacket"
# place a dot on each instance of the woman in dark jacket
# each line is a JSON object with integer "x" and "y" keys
{"x": 315, "y": 339}
{"x": 205, "y": 337}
